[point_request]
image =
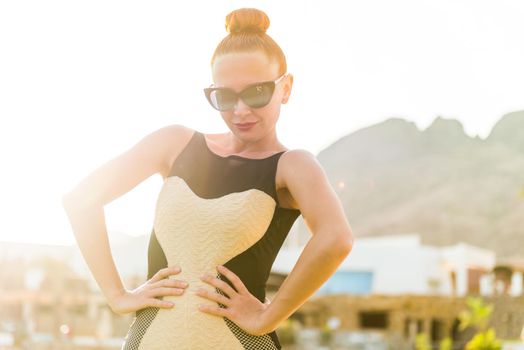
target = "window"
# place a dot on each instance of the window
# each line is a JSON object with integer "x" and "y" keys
{"x": 374, "y": 319}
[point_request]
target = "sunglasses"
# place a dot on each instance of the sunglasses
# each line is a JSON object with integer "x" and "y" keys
{"x": 254, "y": 95}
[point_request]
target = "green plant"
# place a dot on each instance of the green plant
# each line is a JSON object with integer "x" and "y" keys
{"x": 484, "y": 341}
{"x": 446, "y": 344}
{"x": 477, "y": 315}
{"x": 287, "y": 332}
{"x": 422, "y": 342}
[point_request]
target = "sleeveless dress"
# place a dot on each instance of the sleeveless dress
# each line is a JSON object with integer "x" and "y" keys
{"x": 211, "y": 210}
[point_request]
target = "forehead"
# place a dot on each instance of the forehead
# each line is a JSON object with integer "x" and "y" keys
{"x": 242, "y": 68}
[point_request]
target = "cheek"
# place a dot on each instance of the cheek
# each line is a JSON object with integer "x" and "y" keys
{"x": 226, "y": 116}
{"x": 265, "y": 114}
{"x": 272, "y": 110}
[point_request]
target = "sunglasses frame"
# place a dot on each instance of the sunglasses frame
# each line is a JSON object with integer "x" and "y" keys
{"x": 273, "y": 83}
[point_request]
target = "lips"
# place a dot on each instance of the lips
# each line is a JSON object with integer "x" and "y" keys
{"x": 245, "y": 126}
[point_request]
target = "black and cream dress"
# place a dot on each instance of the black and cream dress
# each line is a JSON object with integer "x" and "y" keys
{"x": 211, "y": 210}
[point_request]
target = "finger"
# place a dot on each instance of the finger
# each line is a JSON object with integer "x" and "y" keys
{"x": 164, "y": 292}
{"x": 219, "y": 298}
{"x": 226, "y": 288}
{"x": 163, "y": 304}
{"x": 215, "y": 310}
{"x": 237, "y": 282}
{"x": 165, "y": 272}
{"x": 167, "y": 282}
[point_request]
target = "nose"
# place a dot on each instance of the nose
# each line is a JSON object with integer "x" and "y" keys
{"x": 240, "y": 108}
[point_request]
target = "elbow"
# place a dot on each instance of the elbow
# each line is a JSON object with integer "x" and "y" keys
{"x": 70, "y": 201}
{"x": 346, "y": 242}
{"x": 70, "y": 205}
{"x": 66, "y": 200}
{"x": 340, "y": 244}
{"x": 73, "y": 202}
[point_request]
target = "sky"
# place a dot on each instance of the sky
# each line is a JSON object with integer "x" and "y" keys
{"x": 81, "y": 82}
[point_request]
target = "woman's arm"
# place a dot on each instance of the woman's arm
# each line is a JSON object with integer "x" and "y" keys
{"x": 84, "y": 204}
{"x": 330, "y": 244}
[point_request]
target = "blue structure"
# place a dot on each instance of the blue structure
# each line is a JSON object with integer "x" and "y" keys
{"x": 348, "y": 282}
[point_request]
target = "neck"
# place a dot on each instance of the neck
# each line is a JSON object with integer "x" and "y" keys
{"x": 268, "y": 143}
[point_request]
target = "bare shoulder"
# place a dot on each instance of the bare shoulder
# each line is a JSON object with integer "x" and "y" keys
{"x": 296, "y": 164}
{"x": 306, "y": 187}
{"x": 152, "y": 154}
{"x": 301, "y": 158}
{"x": 297, "y": 169}
{"x": 173, "y": 139}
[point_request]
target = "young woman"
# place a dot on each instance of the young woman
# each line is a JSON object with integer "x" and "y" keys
{"x": 225, "y": 207}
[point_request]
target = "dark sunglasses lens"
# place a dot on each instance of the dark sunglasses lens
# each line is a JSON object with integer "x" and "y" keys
{"x": 259, "y": 95}
{"x": 222, "y": 99}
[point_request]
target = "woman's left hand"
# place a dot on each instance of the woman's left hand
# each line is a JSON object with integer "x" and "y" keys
{"x": 242, "y": 307}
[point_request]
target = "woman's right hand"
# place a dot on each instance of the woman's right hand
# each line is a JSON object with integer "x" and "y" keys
{"x": 145, "y": 295}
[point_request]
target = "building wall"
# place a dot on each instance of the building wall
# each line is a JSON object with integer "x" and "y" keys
{"x": 402, "y": 265}
{"x": 410, "y": 314}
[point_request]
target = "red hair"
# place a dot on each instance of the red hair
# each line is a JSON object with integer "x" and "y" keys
{"x": 247, "y": 33}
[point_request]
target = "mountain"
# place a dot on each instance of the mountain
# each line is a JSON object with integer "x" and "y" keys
{"x": 509, "y": 131}
{"x": 393, "y": 178}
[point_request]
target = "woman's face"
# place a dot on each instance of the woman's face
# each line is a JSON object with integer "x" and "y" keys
{"x": 238, "y": 70}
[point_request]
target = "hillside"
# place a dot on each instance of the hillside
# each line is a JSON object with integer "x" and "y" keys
{"x": 394, "y": 178}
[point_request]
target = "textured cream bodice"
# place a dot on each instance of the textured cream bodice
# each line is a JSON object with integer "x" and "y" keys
{"x": 198, "y": 234}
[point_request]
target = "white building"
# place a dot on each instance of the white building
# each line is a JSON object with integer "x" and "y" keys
{"x": 400, "y": 264}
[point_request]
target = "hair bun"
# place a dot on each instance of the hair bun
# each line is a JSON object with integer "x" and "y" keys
{"x": 247, "y": 20}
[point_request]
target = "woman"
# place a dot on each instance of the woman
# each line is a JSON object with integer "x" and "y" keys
{"x": 225, "y": 207}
